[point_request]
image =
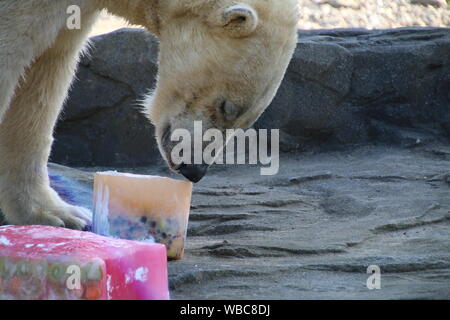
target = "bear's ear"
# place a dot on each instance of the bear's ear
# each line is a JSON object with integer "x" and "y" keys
{"x": 239, "y": 20}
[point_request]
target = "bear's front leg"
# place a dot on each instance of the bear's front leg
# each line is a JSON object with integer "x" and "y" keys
{"x": 26, "y": 137}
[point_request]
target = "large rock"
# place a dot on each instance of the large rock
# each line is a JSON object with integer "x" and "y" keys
{"x": 343, "y": 87}
{"x": 101, "y": 123}
{"x": 359, "y": 86}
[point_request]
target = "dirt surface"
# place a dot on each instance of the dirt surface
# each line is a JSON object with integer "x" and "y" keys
{"x": 370, "y": 14}
{"x": 311, "y": 231}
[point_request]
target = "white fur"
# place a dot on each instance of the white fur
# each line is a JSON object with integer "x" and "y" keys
{"x": 201, "y": 59}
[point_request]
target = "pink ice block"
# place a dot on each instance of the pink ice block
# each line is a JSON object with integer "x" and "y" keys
{"x": 38, "y": 263}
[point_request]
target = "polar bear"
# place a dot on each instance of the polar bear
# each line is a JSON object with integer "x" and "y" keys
{"x": 221, "y": 61}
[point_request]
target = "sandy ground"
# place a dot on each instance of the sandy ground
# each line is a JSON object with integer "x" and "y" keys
{"x": 316, "y": 14}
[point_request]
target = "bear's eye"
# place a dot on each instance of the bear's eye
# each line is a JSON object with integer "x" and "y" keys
{"x": 240, "y": 19}
{"x": 228, "y": 110}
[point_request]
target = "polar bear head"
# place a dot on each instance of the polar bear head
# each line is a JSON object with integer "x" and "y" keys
{"x": 221, "y": 62}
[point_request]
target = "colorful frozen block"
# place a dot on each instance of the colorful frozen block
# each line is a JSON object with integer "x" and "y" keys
{"x": 138, "y": 207}
{"x": 40, "y": 263}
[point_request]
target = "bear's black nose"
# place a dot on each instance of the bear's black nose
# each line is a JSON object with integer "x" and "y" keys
{"x": 193, "y": 172}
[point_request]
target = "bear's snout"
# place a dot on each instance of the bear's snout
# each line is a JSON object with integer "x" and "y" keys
{"x": 193, "y": 172}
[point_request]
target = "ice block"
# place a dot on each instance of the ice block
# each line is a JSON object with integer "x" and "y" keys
{"x": 40, "y": 263}
{"x": 139, "y": 207}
